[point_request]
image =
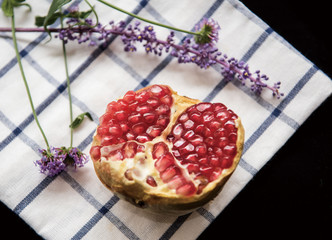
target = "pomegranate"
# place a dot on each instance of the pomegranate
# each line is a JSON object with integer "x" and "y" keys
{"x": 166, "y": 152}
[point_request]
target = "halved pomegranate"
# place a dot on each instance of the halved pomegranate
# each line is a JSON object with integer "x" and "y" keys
{"x": 166, "y": 152}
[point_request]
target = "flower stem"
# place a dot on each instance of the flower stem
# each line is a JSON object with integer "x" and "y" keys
{"x": 68, "y": 87}
{"x": 147, "y": 20}
{"x": 25, "y": 81}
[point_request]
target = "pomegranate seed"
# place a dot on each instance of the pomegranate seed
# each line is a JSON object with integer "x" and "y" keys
{"x": 201, "y": 149}
{"x": 232, "y": 137}
{"x": 209, "y": 141}
{"x": 140, "y": 148}
{"x": 164, "y": 162}
{"x": 230, "y": 126}
{"x": 130, "y": 149}
{"x": 150, "y": 180}
{"x": 124, "y": 127}
{"x": 214, "y": 161}
{"x": 139, "y": 128}
{"x": 208, "y": 117}
{"x": 105, "y": 118}
{"x": 144, "y": 108}
{"x": 178, "y": 130}
{"x": 203, "y": 161}
{"x": 189, "y": 124}
{"x": 121, "y": 115}
{"x": 167, "y": 99}
{"x": 122, "y": 105}
{"x": 196, "y": 139}
{"x": 176, "y": 182}
{"x": 223, "y": 141}
{"x": 135, "y": 118}
{"x": 193, "y": 168}
{"x": 157, "y": 91}
{"x": 199, "y": 129}
{"x": 159, "y": 149}
{"x": 130, "y": 136}
{"x": 102, "y": 130}
{"x": 153, "y": 101}
{"x": 162, "y": 120}
{"x": 115, "y": 130}
{"x": 214, "y": 125}
{"x": 132, "y": 106}
{"x": 142, "y": 138}
{"x": 196, "y": 116}
{"x": 129, "y": 96}
{"x": 108, "y": 140}
{"x": 206, "y": 170}
{"x": 215, "y": 174}
{"x": 142, "y": 96}
{"x": 203, "y": 106}
{"x": 230, "y": 149}
{"x": 112, "y": 107}
{"x": 226, "y": 162}
{"x": 187, "y": 149}
{"x": 221, "y": 132}
{"x": 178, "y": 143}
{"x": 189, "y": 134}
{"x": 154, "y": 131}
{"x": 219, "y": 106}
{"x": 129, "y": 174}
{"x": 191, "y": 157}
{"x": 169, "y": 173}
{"x": 162, "y": 109}
{"x": 149, "y": 117}
{"x": 187, "y": 189}
{"x": 223, "y": 115}
{"x": 183, "y": 117}
{"x": 115, "y": 155}
{"x": 95, "y": 153}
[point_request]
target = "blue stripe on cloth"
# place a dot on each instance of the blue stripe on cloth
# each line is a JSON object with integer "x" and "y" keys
{"x": 174, "y": 227}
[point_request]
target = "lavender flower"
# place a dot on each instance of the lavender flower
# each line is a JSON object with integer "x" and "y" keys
{"x": 200, "y": 49}
{"x": 56, "y": 160}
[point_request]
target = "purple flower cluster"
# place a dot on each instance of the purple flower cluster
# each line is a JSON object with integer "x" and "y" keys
{"x": 200, "y": 49}
{"x": 56, "y": 160}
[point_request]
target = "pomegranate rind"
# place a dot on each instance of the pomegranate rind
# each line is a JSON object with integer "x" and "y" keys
{"x": 161, "y": 199}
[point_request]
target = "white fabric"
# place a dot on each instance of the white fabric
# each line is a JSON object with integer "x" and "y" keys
{"x": 75, "y": 204}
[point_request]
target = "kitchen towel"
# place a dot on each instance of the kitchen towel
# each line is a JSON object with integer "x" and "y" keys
{"x": 74, "y": 204}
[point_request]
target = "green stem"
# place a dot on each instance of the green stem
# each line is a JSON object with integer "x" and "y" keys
{"x": 25, "y": 81}
{"x": 147, "y": 20}
{"x": 68, "y": 87}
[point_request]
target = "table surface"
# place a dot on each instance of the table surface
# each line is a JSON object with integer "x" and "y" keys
{"x": 292, "y": 194}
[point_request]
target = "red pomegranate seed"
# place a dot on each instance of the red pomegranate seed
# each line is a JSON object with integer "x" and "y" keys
{"x": 139, "y": 128}
{"x": 188, "y": 135}
{"x": 129, "y": 174}
{"x": 135, "y": 118}
{"x": 189, "y": 124}
{"x": 157, "y": 91}
{"x": 203, "y": 106}
{"x": 144, "y": 108}
{"x": 215, "y": 174}
{"x": 142, "y": 138}
{"x": 187, "y": 189}
{"x": 159, "y": 149}
{"x": 163, "y": 120}
{"x": 187, "y": 149}
{"x": 176, "y": 182}
{"x": 169, "y": 173}
{"x": 201, "y": 149}
{"x": 150, "y": 180}
{"x": 226, "y": 162}
{"x": 129, "y": 96}
{"x": 142, "y": 96}
{"x": 192, "y": 157}
{"x": 115, "y": 155}
{"x": 162, "y": 109}
{"x": 149, "y": 117}
{"x": 153, "y": 101}
{"x": 230, "y": 149}
{"x": 164, "y": 162}
{"x": 193, "y": 167}
{"x": 178, "y": 130}
{"x": 115, "y": 130}
{"x": 130, "y": 149}
{"x": 95, "y": 153}
{"x": 180, "y": 142}
{"x": 154, "y": 131}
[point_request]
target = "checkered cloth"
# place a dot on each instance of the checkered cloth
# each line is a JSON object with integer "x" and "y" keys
{"x": 75, "y": 204}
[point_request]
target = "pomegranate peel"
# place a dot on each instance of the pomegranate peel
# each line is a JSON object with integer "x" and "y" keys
{"x": 173, "y": 162}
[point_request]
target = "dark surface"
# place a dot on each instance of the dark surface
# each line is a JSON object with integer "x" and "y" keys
{"x": 291, "y": 195}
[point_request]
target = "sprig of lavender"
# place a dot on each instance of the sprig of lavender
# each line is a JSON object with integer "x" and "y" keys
{"x": 200, "y": 49}
{"x": 54, "y": 160}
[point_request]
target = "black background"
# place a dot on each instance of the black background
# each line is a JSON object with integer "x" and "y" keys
{"x": 291, "y": 196}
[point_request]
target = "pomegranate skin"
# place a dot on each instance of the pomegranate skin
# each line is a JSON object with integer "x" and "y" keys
{"x": 159, "y": 197}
